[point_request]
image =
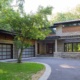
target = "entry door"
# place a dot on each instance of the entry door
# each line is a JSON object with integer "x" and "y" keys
{"x": 49, "y": 48}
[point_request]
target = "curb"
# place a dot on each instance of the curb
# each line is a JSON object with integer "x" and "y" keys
{"x": 47, "y": 72}
{"x": 7, "y": 60}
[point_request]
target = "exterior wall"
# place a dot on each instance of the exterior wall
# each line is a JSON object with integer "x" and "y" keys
{"x": 59, "y": 30}
{"x": 71, "y": 30}
{"x": 67, "y": 31}
{"x": 60, "y": 46}
{"x": 8, "y": 40}
{"x": 5, "y": 37}
{"x": 42, "y": 48}
{"x": 15, "y": 52}
{"x": 60, "y": 50}
{"x": 75, "y": 55}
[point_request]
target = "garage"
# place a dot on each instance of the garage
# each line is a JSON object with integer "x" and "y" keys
{"x": 6, "y": 51}
{"x": 29, "y": 52}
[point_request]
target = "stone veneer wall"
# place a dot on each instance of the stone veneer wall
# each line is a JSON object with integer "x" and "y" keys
{"x": 60, "y": 51}
{"x": 15, "y": 52}
{"x": 75, "y": 55}
{"x": 60, "y": 46}
{"x": 42, "y": 48}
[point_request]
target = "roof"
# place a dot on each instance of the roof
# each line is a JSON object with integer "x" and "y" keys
{"x": 52, "y": 37}
{"x": 65, "y": 22}
{"x": 7, "y": 32}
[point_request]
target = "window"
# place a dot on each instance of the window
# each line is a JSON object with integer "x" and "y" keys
{"x": 6, "y": 51}
{"x": 72, "y": 47}
{"x": 78, "y": 47}
{"x": 75, "y": 47}
{"x": 72, "y": 24}
{"x": 68, "y": 47}
{"x": 28, "y": 52}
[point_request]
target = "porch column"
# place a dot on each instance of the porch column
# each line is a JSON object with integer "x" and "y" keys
{"x": 55, "y": 45}
{"x": 36, "y": 48}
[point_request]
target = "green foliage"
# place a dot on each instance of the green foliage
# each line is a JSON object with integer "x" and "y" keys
{"x": 70, "y": 15}
{"x": 5, "y": 7}
{"x": 77, "y": 11}
{"x": 20, "y": 4}
{"x": 4, "y": 4}
{"x": 47, "y": 10}
{"x": 26, "y": 26}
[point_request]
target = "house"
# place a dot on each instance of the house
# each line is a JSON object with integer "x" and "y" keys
{"x": 8, "y": 49}
{"x": 64, "y": 41}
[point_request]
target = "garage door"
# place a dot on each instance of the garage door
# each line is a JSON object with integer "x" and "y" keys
{"x": 6, "y": 51}
{"x": 29, "y": 52}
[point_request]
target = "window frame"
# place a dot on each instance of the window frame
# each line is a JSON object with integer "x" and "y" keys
{"x": 72, "y": 43}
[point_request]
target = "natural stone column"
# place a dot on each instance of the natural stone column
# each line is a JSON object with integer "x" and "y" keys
{"x": 55, "y": 45}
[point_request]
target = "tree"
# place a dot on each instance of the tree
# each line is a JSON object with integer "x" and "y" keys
{"x": 70, "y": 15}
{"x": 20, "y": 5}
{"x": 27, "y": 27}
{"x": 76, "y": 11}
{"x": 4, "y": 6}
{"x": 63, "y": 17}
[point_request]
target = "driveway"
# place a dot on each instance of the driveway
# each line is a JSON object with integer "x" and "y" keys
{"x": 62, "y": 69}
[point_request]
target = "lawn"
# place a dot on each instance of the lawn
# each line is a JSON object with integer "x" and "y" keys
{"x": 16, "y": 71}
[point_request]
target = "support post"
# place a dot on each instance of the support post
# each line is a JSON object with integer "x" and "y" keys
{"x": 55, "y": 45}
{"x": 36, "y": 48}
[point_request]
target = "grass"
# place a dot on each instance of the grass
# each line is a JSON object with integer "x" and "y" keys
{"x": 16, "y": 71}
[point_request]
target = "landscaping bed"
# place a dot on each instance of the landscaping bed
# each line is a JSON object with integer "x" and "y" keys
{"x": 16, "y": 71}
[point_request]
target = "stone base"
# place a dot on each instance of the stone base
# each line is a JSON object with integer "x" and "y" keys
{"x": 67, "y": 54}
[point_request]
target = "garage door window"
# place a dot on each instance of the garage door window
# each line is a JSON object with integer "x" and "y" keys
{"x": 29, "y": 52}
{"x": 5, "y": 51}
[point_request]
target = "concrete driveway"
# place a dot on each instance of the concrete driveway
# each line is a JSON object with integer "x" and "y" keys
{"x": 62, "y": 69}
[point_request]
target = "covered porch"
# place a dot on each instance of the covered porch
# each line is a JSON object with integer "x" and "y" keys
{"x": 46, "y": 47}
{"x": 64, "y": 46}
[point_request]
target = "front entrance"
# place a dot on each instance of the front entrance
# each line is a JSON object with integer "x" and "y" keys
{"x": 49, "y": 48}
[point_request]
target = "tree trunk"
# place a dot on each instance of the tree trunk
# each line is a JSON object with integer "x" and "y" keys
{"x": 20, "y": 56}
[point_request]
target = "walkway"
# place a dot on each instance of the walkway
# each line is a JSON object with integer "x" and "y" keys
{"x": 62, "y": 69}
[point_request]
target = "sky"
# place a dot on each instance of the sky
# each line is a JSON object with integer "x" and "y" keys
{"x": 58, "y": 5}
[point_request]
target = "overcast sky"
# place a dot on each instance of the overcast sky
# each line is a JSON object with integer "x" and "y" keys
{"x": 59, "y": 5}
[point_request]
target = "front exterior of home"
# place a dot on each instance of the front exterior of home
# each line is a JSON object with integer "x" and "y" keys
{"x": 64, "y": 42}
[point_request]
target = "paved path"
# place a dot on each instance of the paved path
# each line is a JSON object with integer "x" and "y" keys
{"x": 62, "y": 69}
